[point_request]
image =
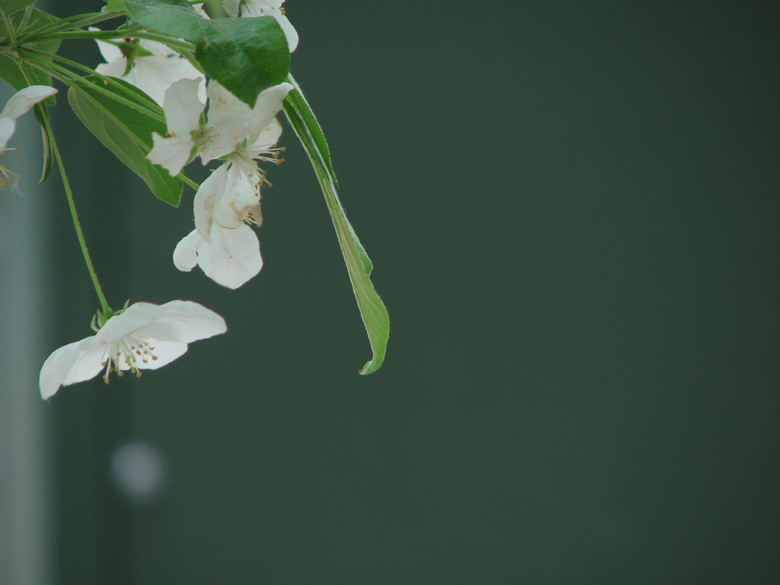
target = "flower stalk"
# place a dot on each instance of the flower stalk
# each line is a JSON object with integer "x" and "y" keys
{"x": 74, "y": 216}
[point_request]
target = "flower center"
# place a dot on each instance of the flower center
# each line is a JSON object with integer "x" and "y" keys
{"x": 130, "y": 353}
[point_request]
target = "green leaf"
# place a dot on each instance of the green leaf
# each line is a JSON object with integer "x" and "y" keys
{"x": 124, "y": 130}
{"x": 11, "y": 6}
{"x": 42, "y": 116}
{"x": 114, "y": 6}
{"x": 11, "y": 71}
{"x": 245, "y": 55}
{"x": 372, "y": 310}
{"x": 172, "y": 17}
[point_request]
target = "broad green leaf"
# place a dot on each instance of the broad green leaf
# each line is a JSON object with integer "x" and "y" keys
{"x": 10, "y": 70}
{"x": 124, "y": 130}
{"x": 372, "y": 310}
{"x": 172, "y": 17}
{"x": 245, "y": 55}
{"x": 11, "y": 6}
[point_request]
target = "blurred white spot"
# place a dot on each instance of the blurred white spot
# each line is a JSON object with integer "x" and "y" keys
{"x": 139, "y": 471}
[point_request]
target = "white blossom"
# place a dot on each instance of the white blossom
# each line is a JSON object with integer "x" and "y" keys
{"x": 254, "y": 8}
{"x": 20, "y": 103}
{"x": 144, "y": 336}
{"x": 230, "y": 123}
{"x": 223, "y": 244}
{"x": 153, "y": 74}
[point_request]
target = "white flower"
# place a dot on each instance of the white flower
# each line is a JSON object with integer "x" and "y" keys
{"x": 230, "y": 123}
{"x": 231, "y": 258}
{"x": 250, "y": 8}
{"x": 153, "y": 74}
{"x": 20, "y": 103}
{"x": 222, "y": 244}
{"x": 145, "y": 336}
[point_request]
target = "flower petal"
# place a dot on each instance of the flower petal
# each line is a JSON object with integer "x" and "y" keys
{"x": 255, "y": 8}
{"x": 185, "y": 255}
{"x": 266, "y": 107}
{"x": 268, "y": 137}
{"x": 206, "y": 199}
{"x": 183, "y": 108}
{"x": 227, "y": 123}
{"x": 7, "y": 128}
{"x": 232, "y": 257}
{"x": 56, "y": 367}
{"x": 89, "y": 363}
{"x": 183, "y": 322}
{"x": 164, "y": 353}
{"x": 239, "y": 194}
{"x": 171, "y": 153}
{"x": 25, "y": 99}
{"x": 135, "y": 317}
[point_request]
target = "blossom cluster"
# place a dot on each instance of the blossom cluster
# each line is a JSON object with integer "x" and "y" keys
{"x": 203, "y": 120}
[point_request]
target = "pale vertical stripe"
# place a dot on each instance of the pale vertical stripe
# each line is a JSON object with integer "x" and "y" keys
{"x": 25, "y": 495}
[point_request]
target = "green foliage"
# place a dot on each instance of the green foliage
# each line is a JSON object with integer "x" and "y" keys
{"x": 372, "y": 310}
{"x": 245, "y": 55}
{"x": 11, "y": 6}
{"x": 16, "y": 72}
{"x": 125, "y": 130}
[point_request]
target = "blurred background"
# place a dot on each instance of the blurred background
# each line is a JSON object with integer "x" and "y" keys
{"x": 572, "y": 209}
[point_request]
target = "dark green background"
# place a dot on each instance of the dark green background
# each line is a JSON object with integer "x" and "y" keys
{"x": 572, "y": 209}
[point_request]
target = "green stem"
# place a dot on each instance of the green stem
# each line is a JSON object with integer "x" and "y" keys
{"x": 9, "y": 28}
{"x": 89, "y": 34}
{"x": 76, "y": 224}
{"x": 67, "y": 77}
{"x": 69, "y": 23}
{"x": 189, "y": 181}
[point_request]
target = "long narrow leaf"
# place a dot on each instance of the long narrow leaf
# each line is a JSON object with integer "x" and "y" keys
{"x": 372, "y": 310}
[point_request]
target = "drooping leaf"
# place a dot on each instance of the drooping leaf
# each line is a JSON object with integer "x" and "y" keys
{"x": 124, "y": 130}
{"x": 372, "y": 310}
{"x": 245, "y": 55}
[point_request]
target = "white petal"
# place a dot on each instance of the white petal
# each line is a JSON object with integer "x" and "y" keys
{"x": 201, "y": 12}
{"x": 108, "y": 51}
{"x": 266, "y": 107}
{"x": 164, "y": 352}
{"x": 135, "y": 317}
{"x": 254, "y": 8}
{"x": 233, "y": 257}
{"x": 56, "y": 367}
{"x": 25, "y": 99}
{"x": 7, "y": 128}
{"x": 89, "y": 363}
{"x": 205, "y": 201}
{"x": 228, "y": 119}
{"x": 289, "y": 31}
{"x": 155, "y": 74}
{"x": 268, "y": 137}
{"x": 182, "y": 107}
{"x": 184, "y": 322}
{"x": 158, "y": 48}
{"x": 115, "y": 68}
{"x": 185, "y": 256}
{"x": 238, "y": 195}
{"x": 171, "y": 153}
